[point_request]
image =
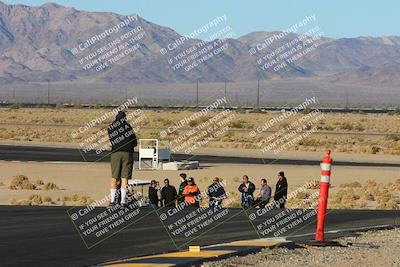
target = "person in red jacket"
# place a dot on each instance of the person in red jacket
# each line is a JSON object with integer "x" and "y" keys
{"x": 191, "y": 193}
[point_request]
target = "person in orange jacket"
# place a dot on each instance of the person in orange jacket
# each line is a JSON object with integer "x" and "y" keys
{"x": 191, "y": 193}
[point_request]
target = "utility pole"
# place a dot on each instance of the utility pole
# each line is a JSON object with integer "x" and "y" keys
{"x": 258, "y": 93}
{"x": 197, "y": 94}
{"x": 225, "y": 93}
{"x": 13, "y": 95}
{"x": 48, "y": 93}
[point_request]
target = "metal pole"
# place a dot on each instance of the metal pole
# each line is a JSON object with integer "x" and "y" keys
{"x": 225, "y": 93}
{"x": 258, "y": 93}
{"x": 48, "y": 92}
{"x": 197, "y": 94}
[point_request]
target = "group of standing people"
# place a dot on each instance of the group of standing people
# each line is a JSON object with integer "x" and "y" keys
{"x": 123, "y": 141}
{"x": 188, "y": 192}
{"x": 247, "y": 188}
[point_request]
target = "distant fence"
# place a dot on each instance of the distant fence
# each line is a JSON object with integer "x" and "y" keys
{"x": 261, "y": 93}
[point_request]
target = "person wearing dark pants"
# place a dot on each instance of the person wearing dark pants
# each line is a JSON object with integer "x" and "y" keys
{"x": 265, "y": 194}
{"x": 123, "y": 142}
{"x": 281, "y": 190}
{"x": 184, "y": 183}
{"x": 168, "y": 195}
{"x": 216, "y": 193}
{"x": 153, "y": 194}
{"x": 247, "y": 189}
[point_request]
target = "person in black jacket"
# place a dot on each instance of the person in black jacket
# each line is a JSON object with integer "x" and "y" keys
{"x": 123, "y": 141}
{"x": 216, "y": 193}
{"x": 281, "y": 190}
{"x": 153, "y": 194}
{"x": 247, "y": 189}
{"x": 184, "y": 183}
{"x": 168, "y": 194}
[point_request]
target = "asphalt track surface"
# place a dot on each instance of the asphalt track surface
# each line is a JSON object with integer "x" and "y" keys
{"x": 41, "y": 154}
{"x": 46, "y": 236}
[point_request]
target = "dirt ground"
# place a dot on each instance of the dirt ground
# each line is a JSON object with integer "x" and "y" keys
{"x": 367, "y": 134}
{"x": 384, "y": 252}
{"x": 92, "y": 179}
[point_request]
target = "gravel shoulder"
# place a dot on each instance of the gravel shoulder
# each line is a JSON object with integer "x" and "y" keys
{"x": 386, "y": 253}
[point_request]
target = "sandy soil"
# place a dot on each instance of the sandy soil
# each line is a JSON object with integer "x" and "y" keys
{"x": 385, "y": 254}
{"x": 369, "y": 134}
{"x": 92, "y": 179}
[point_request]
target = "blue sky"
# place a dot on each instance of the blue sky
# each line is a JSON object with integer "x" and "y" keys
{"x": 338, "y": 18}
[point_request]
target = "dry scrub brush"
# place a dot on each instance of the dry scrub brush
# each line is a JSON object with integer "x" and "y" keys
{"x": 21, "y": 182}
{"x": 370, "y": 195}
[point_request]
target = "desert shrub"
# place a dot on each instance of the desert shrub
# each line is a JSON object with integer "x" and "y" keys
{"x": 50, "y": 186}
{"x": 313, "y": 184}
{"x": 383, "y": 197}
{"x": 66, "y": 198}
{"x": 237, "y": 179}
{"x": 389, "y": 205}
{"x": 19, "y": 182}
{"x": 193, "y": 123}
{"x": 237, "y": 124}
{"x": 352, "y": 185}
{"x": 75, "y": 197}
{"x": 47, "y": 199}
{"x": 36, "y": 200}
{"x": 375, "y": 149}
{"x": 84, "y": 200}
{"x": 367, "y": 196}
{"x": 233, "y": 200}
{"x": 392, "y": 137}
{"x": 39, "y": 182}
{"x": 370, "y": 183}
{"x": 301, "y": 195}
{"x": 359, "y": 128}
{"x": 346, "y": 126}
{"x": 58, "y": 120}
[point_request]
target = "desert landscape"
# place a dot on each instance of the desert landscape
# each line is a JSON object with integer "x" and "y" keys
{"x": 352, "y": 137}
{"x": 79, "y": 184}
{"x": 377, "y": 134}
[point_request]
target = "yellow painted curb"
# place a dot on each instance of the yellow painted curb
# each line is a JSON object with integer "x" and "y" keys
{"x": 202, "y": 254}
{"x": 141, "y": 265}
{"x": 253, "y": 244}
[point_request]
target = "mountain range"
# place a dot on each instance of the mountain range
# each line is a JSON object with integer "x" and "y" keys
{"x": 37, "y": 44}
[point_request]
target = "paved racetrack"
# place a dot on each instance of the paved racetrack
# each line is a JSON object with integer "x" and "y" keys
{"x": 46, "y": 236}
